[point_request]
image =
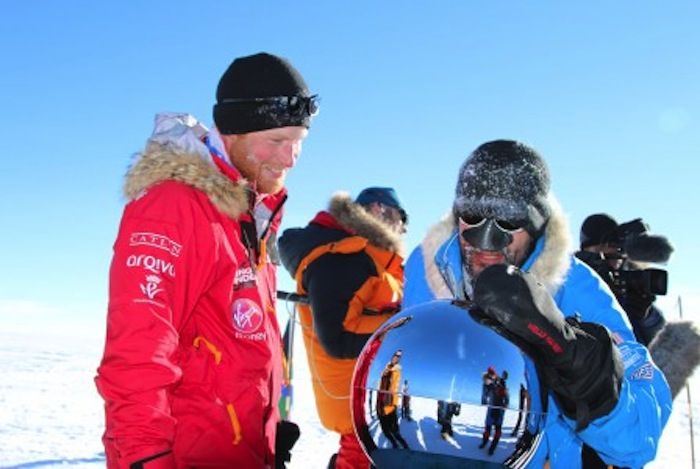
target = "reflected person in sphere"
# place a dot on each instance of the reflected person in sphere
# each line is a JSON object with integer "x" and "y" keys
{"x": 504, "y": 252}
{"x": 388, "y": 400}
{"x": 495, "y": 395}
{"x": 406, "y": 402}
{"x": 447, "y": 410}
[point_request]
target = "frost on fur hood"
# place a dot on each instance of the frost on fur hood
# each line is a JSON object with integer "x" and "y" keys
{"x": 175, "y": 152}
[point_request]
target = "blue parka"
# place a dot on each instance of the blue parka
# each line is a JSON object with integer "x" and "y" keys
{"x": 629, "y": 435}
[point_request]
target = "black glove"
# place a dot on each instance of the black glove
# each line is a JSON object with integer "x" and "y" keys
{"x": 576, "y": 360}
{"x": 637, "y": 304}
{"x": 287, "y": 435}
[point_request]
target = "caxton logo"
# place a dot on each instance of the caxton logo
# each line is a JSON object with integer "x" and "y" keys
{"x": 151, "y": 263}
{"x": 156, "y": 241}
{"x": 246, "y": 316}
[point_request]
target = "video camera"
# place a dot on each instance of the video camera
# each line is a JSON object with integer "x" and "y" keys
{"x": 633, "y": 247}
{"x": 637, "y": 246}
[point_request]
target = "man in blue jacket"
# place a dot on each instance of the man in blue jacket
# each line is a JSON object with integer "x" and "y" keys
{"x": 505, "y": 251}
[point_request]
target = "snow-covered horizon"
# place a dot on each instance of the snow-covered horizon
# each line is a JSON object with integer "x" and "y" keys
{"x": 51, "y": 415}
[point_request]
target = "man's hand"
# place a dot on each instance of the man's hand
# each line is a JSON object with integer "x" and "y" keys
{"x": 576, "y": 360}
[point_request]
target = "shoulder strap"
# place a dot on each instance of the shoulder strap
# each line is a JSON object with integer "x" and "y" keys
{"x": 347, "y": 245}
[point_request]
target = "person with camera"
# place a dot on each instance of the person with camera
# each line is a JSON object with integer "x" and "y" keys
{"x": 619, "y": 253}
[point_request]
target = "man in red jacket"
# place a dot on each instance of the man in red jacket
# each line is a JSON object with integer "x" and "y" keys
{"x": 192, "y": 367}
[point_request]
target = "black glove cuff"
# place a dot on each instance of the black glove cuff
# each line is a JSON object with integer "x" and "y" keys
{"x": 588, "y": 385}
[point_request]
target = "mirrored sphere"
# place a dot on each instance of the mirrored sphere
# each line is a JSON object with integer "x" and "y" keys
{"x": 434, "y": 388}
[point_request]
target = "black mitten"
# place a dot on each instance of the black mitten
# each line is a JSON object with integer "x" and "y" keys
{"x": 287, "y": 435}
{"x": 577, "y": 360}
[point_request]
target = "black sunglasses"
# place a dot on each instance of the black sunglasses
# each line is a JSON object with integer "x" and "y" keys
{"x": 293, "y": 105}
{"x": 474, "y": 221}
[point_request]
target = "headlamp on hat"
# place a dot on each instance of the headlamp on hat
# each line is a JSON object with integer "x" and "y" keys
{"x": 260, "y": 92}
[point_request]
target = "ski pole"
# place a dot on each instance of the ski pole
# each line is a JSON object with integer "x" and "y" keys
{"x": 294, "y": 297}
{"x": 288, "y": 341}
{"x": 690, "y": 404}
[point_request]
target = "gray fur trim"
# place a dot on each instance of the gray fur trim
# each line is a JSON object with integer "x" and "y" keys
{"x": 437, "y": 235}
{"x": 358, "y": 220}
{"x": 552, "y": 265}
{"x": 550, "y": 268}
{"x": 676, "y": 351}
{"x": 159, "y": 163}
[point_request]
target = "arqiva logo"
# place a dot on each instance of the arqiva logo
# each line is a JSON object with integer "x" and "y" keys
{"x": 247, "y": 316}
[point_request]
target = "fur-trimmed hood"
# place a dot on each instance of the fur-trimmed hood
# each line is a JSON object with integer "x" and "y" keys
{"x": 355, "y": 219}
{"x": 550, "y": 265}
{"x": 676, "y": 351}
{"x": 159, "y": 163}
{"x": 342, "y": 219}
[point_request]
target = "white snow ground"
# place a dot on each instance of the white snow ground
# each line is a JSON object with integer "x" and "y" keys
{"x": 51, "y": 416}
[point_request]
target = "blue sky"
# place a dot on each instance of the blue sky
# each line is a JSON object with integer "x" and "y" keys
{"x": 608, "y": 92}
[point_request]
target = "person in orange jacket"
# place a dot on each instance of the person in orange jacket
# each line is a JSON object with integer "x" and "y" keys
{"x": 348, "y": 262}
{"x": 388, "y": 400}
{"x": 192, "y": 366}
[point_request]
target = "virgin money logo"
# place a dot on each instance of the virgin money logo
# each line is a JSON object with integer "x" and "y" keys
{"x": 246, "y": 316}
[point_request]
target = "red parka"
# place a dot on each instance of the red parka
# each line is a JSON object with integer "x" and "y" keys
{"x": 192, "y": 366}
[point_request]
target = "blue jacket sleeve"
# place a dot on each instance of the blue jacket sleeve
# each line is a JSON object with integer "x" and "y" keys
{"x": 628, "y": 436}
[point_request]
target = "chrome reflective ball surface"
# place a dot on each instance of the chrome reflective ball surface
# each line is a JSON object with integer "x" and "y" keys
{"x": 433, "y": 388}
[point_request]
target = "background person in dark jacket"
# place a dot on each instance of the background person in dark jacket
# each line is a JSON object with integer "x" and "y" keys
{"x": 620, "y": 254}
{"x": 348, "y": 261}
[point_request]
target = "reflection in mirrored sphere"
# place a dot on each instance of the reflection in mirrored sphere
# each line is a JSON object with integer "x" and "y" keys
{"x": 433, "y": 388}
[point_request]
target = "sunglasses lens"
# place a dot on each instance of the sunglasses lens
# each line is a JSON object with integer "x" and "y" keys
{"x": 507, "y": 226}
{"x": 471, "y": 219}
{"x": 312, "y": 106}
{"x": 300, "y": 105}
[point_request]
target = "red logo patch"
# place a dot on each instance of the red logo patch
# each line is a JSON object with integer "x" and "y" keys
{"x": 556, "y": 348}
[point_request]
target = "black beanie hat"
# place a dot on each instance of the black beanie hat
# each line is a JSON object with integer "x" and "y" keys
{"x": 239, "y": 108}
{"x": 599, "y": 228}
{"x": 505, "y": 180}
